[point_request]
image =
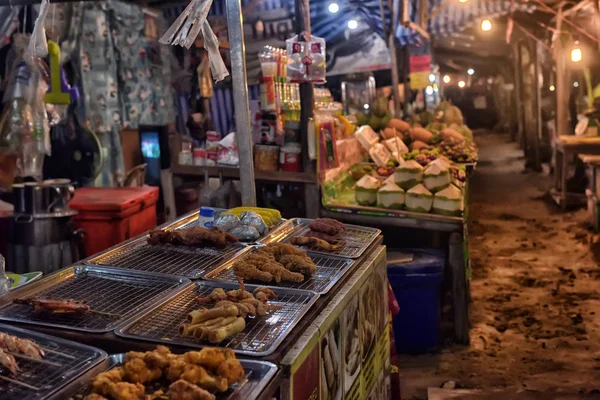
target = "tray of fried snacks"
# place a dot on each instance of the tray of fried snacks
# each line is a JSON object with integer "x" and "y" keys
{"x": 87, "y": 298}
{"x": 285, "y": 265}
{"x": 248, "y": 319}
{"x": 247, "y": 224}
{"x": 208, "y": 374}
{"x": 190, "y": 252}
{"x": 35, "y": 366}
{"x": 329, "y": 236}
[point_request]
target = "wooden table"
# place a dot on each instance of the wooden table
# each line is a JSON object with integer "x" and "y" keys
{"x": 566, "y": 147}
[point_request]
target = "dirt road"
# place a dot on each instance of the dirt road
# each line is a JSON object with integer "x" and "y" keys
{"x": 535, "y": 291}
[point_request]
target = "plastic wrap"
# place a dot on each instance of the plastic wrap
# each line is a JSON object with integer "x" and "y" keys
{"x": 38, "y": 46}
{"x": 306, "y": 60}
{"x": 211, "y": 44}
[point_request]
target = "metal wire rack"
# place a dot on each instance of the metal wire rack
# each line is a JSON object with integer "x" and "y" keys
{"x": 188, "y": 262}
{"x": 329, "y": 271}
{"x": 356, "y": 239}
{"x": 38, "y": 379}
{"x": 261, "y": 336}
{"x": 112, "y": 292}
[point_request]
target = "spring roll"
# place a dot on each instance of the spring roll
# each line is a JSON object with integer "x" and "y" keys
{"x": 202, "y": 331}
{"x": 197, "y": 316}
{"x": 219, "y": 334}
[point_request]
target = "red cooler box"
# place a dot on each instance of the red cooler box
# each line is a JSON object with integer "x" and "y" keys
{"x": 112, "y": 215}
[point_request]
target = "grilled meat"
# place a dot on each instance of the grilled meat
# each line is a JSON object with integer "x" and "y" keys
{"x": 183, "y": 390}
{"x": 324, "y": 227}
{"x": 323, "y": 236}
{"x": 194, "y": 236}
{"x": 56, "y": 305}
{"x": 8, "y": 362}
{"x": 315, "y": 242}
{"x": 21, "y": 346}
{"x": 333, "y": 222}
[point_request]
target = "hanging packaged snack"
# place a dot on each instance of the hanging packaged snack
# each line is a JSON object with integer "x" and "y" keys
{"x": 306, "y": 60}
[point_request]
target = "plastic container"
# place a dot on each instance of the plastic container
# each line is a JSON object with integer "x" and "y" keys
{"x": 417, "y": 286}
{"x": 112, "y": 215}
{"x": 206, "y": 217}
{"x": 266, "y": 157}
{"x": 290, "y": 157}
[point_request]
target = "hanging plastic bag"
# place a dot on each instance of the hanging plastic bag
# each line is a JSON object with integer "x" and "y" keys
{"x": 211, "y": 44}
{"x": 37, "y": 44}
{"x": 306, "y": 60}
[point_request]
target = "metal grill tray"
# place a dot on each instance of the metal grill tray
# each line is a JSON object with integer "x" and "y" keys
{"x": 258, "y": 376}
{"x": 329, "y": 271}
{"x": 191, "y": 220}
{"x": 357, "y": 239}
{"x": 189, "y": 262}
{"x": 107, "y": 290}
{"x": 64, "y": 361}
{"x": 261, "y": 336}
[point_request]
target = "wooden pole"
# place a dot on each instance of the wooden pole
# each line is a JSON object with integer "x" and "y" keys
{"x": 537, "y": 134}
{"x": 561, "y": 85}
{"x": 517, "y": 95}
{"x": 391, "y": 38}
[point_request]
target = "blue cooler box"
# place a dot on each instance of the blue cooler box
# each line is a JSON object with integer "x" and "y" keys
{"x": 417, "y": 286}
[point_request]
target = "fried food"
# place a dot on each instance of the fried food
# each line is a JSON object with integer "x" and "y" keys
{"x": 176, "y": 368}
{"x": 334, "y": 222}
{"x": 8, "y": 361}
{"x": 335, "y": 240}
{"x": 324, "y": 227}
{"x": 102, "y": 383}
{"x": 298, "y": 264}
{"x": 215, "y": 296}
{"x": 232, "y": 370}
{"x": 199, "y": 376}
{"x": 264, "y": 294}
{"x": 280, "y": 249}
{"x": 198, "y": 316}
{"x": 249, "y": 271}
{"x": 219, "y": 334}
{"x": 194, "y": 236}
{"x": 94, "y": 396}
{"x": 207, "y": 357}
{"x": 202, "y": 330}
{"x": 136, "y": 371}
{"x": 315, "y": 242}
{"x": 244, "y": 309}
{"x": 183, "y": 390}
{"x": 126, "y": 391}
{"x": 56, "y": 305}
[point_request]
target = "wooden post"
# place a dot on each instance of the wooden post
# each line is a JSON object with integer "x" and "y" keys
{"x": 517, "y": 96}
{"x": 536, "y": 163}
{"x": 562, "y": 85}
{"x": 460, "y": 288}
{"x": 391, "y": 39}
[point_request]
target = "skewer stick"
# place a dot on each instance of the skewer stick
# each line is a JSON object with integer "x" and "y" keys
{"x": 16, "y": 382}
{"x": 47, "y": 350}
{"x": 41, "y": 361}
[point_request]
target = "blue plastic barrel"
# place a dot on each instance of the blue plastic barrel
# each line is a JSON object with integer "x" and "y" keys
{"x": 417, "y": 286}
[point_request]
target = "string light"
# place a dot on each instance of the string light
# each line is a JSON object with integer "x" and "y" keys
{"x": 576, "y": 55}
{"x": 575, "y": 84}
{"x": 431, "y": 78}
{"x": 429, "y": 90}
{"x": 461, "y": 84}
{"x": 334, "y": 7}
{"x": 353, "y": 24}
{"x": 470, "y": 71}
{"x": 552, "y": 88}
{"x": 462, "y": 1}
{"x": 486, "y": 25}
{"x": 446, "y": 79}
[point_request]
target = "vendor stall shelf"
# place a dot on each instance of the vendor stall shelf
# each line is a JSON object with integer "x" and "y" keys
{"x": 261, "y": 336}
{"x": 38, "y": 379}
{"x": 258, "y": 375}
{"x": 114, "y": 297}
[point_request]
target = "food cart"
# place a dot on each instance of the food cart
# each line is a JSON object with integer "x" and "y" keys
{"x": 140, "y": 294}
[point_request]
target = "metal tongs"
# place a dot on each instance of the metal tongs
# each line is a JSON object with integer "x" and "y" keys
{"x": 186, "y": 28}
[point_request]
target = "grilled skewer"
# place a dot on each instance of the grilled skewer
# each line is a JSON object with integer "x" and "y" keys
{"x": 8, "y": 362}
{"x": 16, "y": 345}
{"x": 63, "y": 306}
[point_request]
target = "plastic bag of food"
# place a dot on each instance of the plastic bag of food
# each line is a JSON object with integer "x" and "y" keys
{"x": 306, "y": 59}
{"x": 38, "y": 46}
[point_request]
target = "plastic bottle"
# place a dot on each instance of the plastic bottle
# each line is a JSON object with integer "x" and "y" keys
{"x": 206, "y": 218}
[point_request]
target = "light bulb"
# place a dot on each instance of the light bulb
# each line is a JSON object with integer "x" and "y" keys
{"x": 429, "y": 90}
{"x": 431, "y": 78}
{"x": 446, "y": 79}
{"x": 366, "y": 106}
{"x": 462, "y": 1}
{"x": 576, "y": 55}
{"x": 552, "y": 88}
{"x": 470, "y": 71}
{"x": 461, "y": 84}
{"x": 334, "y": 7}
{"x": 353, "y": 24}
{"x": 486, "y": 25}
{"x": 575, "y": 84}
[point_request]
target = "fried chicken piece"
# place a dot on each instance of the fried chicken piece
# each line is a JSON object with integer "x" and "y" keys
{"x": 280, "y": 273}
{"x": 214, "y": 297}
{"x": 263, "y": 294}
{"x": 208, "y": 357}
{"x": 244, "y": 309}
{"x": 136, "y": 371}
{"x": 127, "y": 391}
{"x": 232, "y": 370}
{"x": 103, "y": 381}
{"x": 298, "y": 264}
{"x": 280, "y": 249}
{"x": 94, "y": 396}
{"x": 199, "y": 376}
{"x": 315, "y": 242}
{"x": 158, "y": 358}
{"x": 259, "y": 307}
{"x": 333, "y": 222}
{"x": 251, "y": 272}
{"x": 176, "y": 368}
{"x": 183, "y": 390}
{"x": 194, "y": 236}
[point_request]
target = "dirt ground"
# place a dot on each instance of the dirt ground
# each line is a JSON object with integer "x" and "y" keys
{"x": 535, "y": 289}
